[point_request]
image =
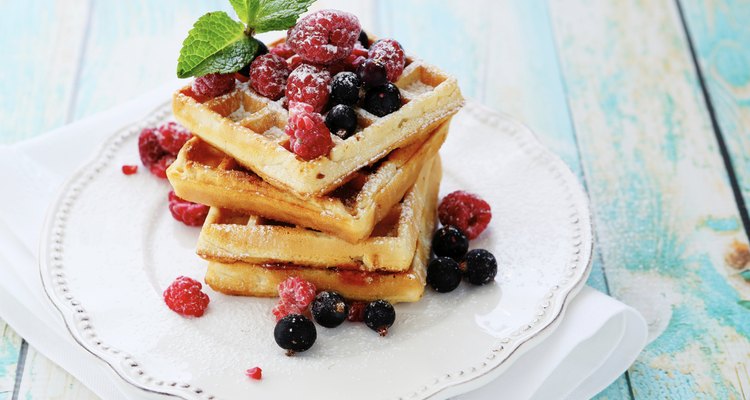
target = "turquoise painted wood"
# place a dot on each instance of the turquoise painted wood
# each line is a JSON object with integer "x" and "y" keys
{"x": 655, "y": 176}
{"x": 38, "y": 86}
{"x": 721, "y": 35}
{"x": 10, "y": 347}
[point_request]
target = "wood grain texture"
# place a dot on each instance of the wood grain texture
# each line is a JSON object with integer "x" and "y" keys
{"x": 655, "y": 177}
{"x": 10, "y": 347}
{"x": 42, "y": 379}
{"x": 38, "y": 85}
{"x": 721, "y": 36}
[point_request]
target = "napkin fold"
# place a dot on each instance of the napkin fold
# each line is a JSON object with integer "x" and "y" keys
{"x": 594, "y": 344}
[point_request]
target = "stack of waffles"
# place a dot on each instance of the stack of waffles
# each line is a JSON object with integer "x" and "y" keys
{"x": 357, "y": 221}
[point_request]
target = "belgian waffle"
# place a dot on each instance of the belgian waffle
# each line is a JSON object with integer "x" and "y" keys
{"x": 230, "y": 236}
{"x": 261, "y": 280}
{"x": 205, "y": 175}
{"x": 250, "y": 128}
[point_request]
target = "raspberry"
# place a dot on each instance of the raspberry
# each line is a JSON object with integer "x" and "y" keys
{"x": 187, "y": 212}
{"x": 309, "y": 136}
{"x": 172, "y": 137}
{"x": 297, "y": 292}
{"x": 254, "y": 373}
{"x": 212, "y": 85}
{"x": 283, "y": 50}
{"x": 466, "y": 212}
{"x": 356, "y": 311}
{"x": 309, "y": 84}
{"x": 282, "y": 309}
{"x": 159, "y": 169}
{"x": 295, "y": 62}
{"x": 324, "y": 36}
{"x": 268, "y": 75}
{"x": 129, "y": 169}
{"x": 184, "y": 297}
{"x": 391, "y": 54}
{"x": 351, "y": 62}
{"x": 149, "y": 148}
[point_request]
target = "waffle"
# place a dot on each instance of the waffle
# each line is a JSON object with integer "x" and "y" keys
{"x": 230, "y": 236}
{"x": 205, "y": 175}
{"x": 250, "y": 128}
{"x": 261, "y": 280}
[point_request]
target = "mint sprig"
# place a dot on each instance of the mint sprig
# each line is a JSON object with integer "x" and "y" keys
{"x": 219, "y": 44}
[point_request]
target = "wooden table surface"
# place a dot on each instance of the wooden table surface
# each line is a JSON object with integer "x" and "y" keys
{"x": 647, "y": 101}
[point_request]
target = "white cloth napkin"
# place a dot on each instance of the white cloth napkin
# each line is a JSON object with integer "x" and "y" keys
{"x": 596, "y": 341}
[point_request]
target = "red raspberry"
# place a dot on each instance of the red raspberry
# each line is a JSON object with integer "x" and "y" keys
{"x": 268, "y": 75}
{"x": 391, "y": 54}
{"x": 356, "y": 311}
{"x": 282, "y": 309}
{"x": 254, "y": 373}
{"x": 324, "y": 36}
{"x": 351, "y": 62}
{"x": 283, "y": 50}
{"x": 159, "y": 169}
{"x": 129, "y": 169}
{"x": 187, "y": 212}
{"x": 309, "y": 84}
{"x": 309, "y": 136}
{"x": 295, "y": 62}
{"x": 466, "y": 212}
{"x": 184, "y": 297}
{"x": 172, "y": 137}
{"x": 212, "y": 85}
{"x": 296, "y": 291}
{"x": 149, "y": 148}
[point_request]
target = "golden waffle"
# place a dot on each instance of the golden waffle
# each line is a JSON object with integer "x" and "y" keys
{"x": 205, "y": 175}
{"x": 261, "y": 280}
{"x": 231, "y": 236}
{"x": 250, "y": 128}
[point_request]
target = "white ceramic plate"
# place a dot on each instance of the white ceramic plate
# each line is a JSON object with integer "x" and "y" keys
{"x": 111, "y": 247}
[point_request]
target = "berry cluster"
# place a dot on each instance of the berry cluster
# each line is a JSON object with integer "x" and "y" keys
{"x": 295, "y": 332}
{"x": 159, "y": 146}
{"x": 464, "y": 216}
{"x": 327, "y": 62}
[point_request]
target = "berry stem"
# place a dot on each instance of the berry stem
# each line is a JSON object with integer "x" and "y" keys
{"x": 383, "y": 331}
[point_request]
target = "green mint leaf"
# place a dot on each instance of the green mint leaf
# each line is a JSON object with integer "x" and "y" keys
{"x": 744, "y": 303}
{"x": 246, "y": 9}
{"x": 216, "y": 44}
{"x": 274, "y": 15}
{"x": 745, "y": 275}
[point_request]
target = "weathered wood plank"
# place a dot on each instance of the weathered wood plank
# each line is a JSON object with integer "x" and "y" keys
{"x": 41, "y": 42}
{"x": 656, "y": 177}
{"x": 10, "y": 347}
{"x": 43, "y": 379}
{"x": 720, "y": 32}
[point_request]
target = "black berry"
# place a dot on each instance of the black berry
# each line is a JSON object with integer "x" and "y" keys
{"x": 379, "y": 316}
{"x": 364, "y": 40}
{"x": 449, "y": 241}
{"x": 295, "y": 333}
{"x": 383, "y": 100}
{"x": 480, "y": 266}
{"x": 329, "y": 309}
{"x": 443, "y": 274}
{"x": 342, "y": 121}
{"x": 373, "y": 73}
{"x": 345, "y": 88}
{"x": 262, "y": 49}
